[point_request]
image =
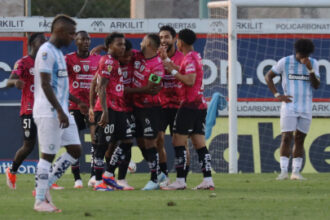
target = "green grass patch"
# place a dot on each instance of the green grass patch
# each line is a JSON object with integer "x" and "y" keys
{"x": 241, "y": 196}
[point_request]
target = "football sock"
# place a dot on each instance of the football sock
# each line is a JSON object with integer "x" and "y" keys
{"x": 118, "y": 156}
{"x": 180, "y": 161}
{"x": 42, "y": 178}
{"x": 296, "y": 164}
{"x": 92, "y": 159}
{"x": 163, "y": 168}
{"x": 205, "y": 160}
{"x": 75, "y": 168}
{"x": 123, "y": 166}
{"x": 60, "y": 166}
{"x": 14, "y": 167}
{"x": 98, "y": 160}
{"x": 153, "y": 161}
{"x": 284, "y": 163}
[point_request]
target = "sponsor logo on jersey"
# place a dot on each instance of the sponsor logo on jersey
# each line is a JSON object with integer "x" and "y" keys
{"x": 298, "y": 77}
{"x": 76, "y": 68}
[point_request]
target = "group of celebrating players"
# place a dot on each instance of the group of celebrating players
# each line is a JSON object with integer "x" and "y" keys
{"x": 122, "y": 95}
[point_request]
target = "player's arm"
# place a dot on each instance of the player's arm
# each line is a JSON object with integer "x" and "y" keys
{"x": 83, "y": 107}
{"x": 270, "y": 83}
{"x": 313, "y": 78}
{"x": 166, "y": 60}
{"x": 50, "y": 95}
{"x": 98, "y": 49}
{"x": 92, "y": 96}
{"x": 14, "y": 81}
{"x": 103, "y": 101}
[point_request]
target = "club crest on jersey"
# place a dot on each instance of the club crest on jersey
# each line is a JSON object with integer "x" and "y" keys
{"x": 109, "y": 68}
{"x": 86, "y": 68}
{"x": 76, "y": 68}
{"x": 119, "y": 72}
{"x": 44, "y": 55}
{"x": 137, "y": 64}
{"x": 31, "y": 71}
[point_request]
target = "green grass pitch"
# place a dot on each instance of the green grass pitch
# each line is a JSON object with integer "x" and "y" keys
{"x": 241, "y": 196}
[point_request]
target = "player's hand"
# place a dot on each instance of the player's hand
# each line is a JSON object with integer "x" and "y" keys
{"x": 104, "y": 120}
{"x": 284, "y": 98}
{"x": 63, "y": 119}
{"x": 168, "y": 66}
{"x": 162, "y": 53}
{"x": 19, "y": 84}
{"x": 97, "y": 50}
{"x": 91, "y": 115}
{"x": 307, "y": 62}
{"x": 83, "y": 107}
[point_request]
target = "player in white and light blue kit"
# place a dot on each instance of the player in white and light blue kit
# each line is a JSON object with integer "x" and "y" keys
{"x": 300, "y": 74}
{"x": 56, "y": 127}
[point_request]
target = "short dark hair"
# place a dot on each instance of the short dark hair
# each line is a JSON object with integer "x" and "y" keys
{"x": 187, "y": 36}
{"x": 81, "y": 32}
{"x": 128, "y": 45}
{"x": 304, "y": 46}
{"x": 111, "y": 37}
{"x": 155, "y": 40}
{"x": 62, "y": 18}
{"x": 169, "y": 29}
{"x": 35, "y": 36}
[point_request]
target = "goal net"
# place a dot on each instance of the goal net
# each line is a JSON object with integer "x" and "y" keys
{"x": 265, "y": 34}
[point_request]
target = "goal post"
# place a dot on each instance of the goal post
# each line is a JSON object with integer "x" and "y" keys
{"x": 231, "y": 7}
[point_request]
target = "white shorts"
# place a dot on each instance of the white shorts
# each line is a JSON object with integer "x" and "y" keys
{"x": 51, "y": 137}
{"x": 295, "y": 121}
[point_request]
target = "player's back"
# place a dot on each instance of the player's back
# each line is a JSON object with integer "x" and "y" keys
{"x": 50, "y": 60}
{"x": 193, "y": 95}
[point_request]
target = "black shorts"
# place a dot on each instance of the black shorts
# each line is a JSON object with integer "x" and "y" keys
{"x": 167, "y": 117}
{"x": 29, "y": 127}
{"x": 131, "y": 119}
{"x": 81, "y": 120}
{"x": 118, "y": 128}
{"x": 147, "y": 122}
{"x": 190, "y": 121}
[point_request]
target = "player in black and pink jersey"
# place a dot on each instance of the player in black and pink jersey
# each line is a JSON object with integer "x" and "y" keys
{"x": 113, "y": 124}
{"x": 22, "y": 77}
{"x": 81, "y": 67}
{"x": 190, "y": 119}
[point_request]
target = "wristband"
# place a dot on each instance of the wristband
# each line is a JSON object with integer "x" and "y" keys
{"x": 311, "y": 71}
{"x": 174, "y": 72}
{"x": 277, "y": 95}
{"x": 168, "y": 60}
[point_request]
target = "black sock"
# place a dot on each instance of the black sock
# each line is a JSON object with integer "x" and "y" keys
{"x": 98, "y": 161}
{"x": 153, "y": 161}
{"x": 186, "y": 172}
{"x": 180, "y": 161}
{"x": 75, "y": 168}
{"x": 92, "y": 160}
{"x": 14, "y": 167}
{"x": 205, "y": 160}
{"x": 163, "y": 168}
{"x": 123, "y": 166}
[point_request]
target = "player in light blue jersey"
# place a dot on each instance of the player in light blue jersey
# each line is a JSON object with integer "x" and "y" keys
{"x": 300, "y": 74}
{"x": 56, "y": 127}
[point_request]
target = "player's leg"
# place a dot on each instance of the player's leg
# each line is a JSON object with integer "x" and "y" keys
{"x": 151, "y": 119}
{"x": 49, "y": 136}
{"x": 75, "y": 168}
{"x": 182, "y": 125}
{"x": 30, "y": 133}
{"x": 91, "y": 181}
{"x": 164, "y": 122}
{"x": 288, "y": 125}
{"x": 298, "y": 148}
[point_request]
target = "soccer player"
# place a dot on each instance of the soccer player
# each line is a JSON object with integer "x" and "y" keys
{"x": 82, "y": 67}
{"x": 113, "y": 122}
{"x": 171, "y": 94}
{"x": 299, "y": 73}
{"x": 56, "y": 127}
{"x": 190, "y": 118}
{"x": 22, "y": 77}
{"x": 146, "y": 84}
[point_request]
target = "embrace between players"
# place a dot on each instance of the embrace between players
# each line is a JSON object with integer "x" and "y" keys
{"x": 130, "y": 94}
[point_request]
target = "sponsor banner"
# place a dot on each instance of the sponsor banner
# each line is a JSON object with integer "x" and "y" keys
{"x": 106, "y": 25}
{"x": 27, "y": 167}
{"x": 273, "y": 109}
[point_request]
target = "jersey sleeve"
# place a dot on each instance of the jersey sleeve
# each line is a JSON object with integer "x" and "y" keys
{"x": 190, "y": 66}
{"x": 159, "y": 70}
{"x": 18, "y": 68}
{"x": 278, "y": 68}
{"x": 107, "y": 69}
{"x": 46, "y": 61}
{"x": 316, "y": 68}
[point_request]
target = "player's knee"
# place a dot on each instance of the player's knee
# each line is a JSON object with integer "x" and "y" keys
{"x": 74, "y": 151}
{"x": 286, "y": 138}
{"x": 29, "y": 145}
